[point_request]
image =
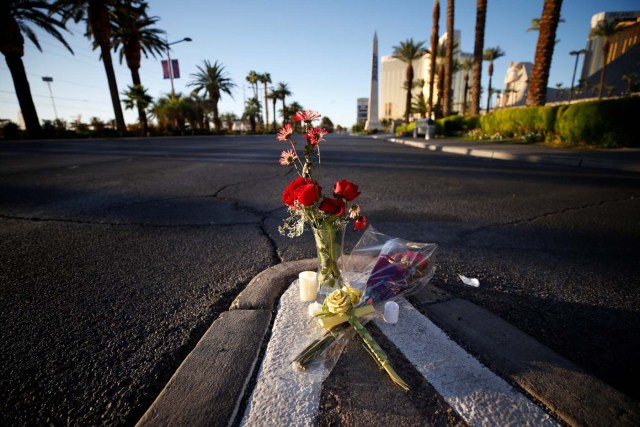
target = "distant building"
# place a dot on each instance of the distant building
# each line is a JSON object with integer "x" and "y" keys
{"x": 624, "y": 53}
{"x": 393, "y": 94}
{"x": 363, "y": 110}
{"x": 516, "y": 86}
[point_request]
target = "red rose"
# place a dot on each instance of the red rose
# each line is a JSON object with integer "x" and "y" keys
{"x": 307, "y": 194}
{"x": 332, "y": 206}
{"x": 345, "y": 189}
{"x": 288, "y": 195}
{"x": 360, "y": 223}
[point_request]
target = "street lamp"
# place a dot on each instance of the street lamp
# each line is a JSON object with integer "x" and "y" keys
{"x": 48, "y": 81}
{"x": 577, "y": 54}
{"x": 170, "y": 65}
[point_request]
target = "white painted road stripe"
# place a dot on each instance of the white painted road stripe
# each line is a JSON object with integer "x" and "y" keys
{"x": 473, "y": 391}
{"x": 283, "y": 396}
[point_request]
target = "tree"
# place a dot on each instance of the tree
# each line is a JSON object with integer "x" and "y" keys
{"x": 544, "y": 52}
{"x": 466, "y": 64}
{"x": 274, "y": 95}
{"x": 283, "y": 92}
{"x": 133, "y": 34}
{"x": 136, "y": 96}
{"x": 327, "y": 124}
{"x": 491, "y": 54}
{"x": 173, "y": 112}
{"x": 448, "y": 63}
{"x": 605, "y": 30}
{"x": 251, "y": 112}
{"x": 265, "y": 78}
{"x": 253, "y": 79}
{"x": 96, "y": 15}
{"x": 478, "y": 48}
{"x": 630, "y": 79}
{"x": 432, "y": 57}
{"x": 228, "y": 119}
{"x": 408, "y": 51}
{"x": 18, "y": 17}
{"x": 213, "y": 81}
{"x": 419, "y": 106}
{"x": 201, "y": 111}
{"x": 292, "y": 109}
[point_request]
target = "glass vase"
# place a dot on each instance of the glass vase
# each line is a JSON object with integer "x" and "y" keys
{"x": 329, "y": 246}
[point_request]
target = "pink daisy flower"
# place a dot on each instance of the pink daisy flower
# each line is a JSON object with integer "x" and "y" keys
{"x": 287, "y": 157}
{"x": 285, "y": 133}
{"x": 306, "y": 116}
{"x": 315, "y": 135}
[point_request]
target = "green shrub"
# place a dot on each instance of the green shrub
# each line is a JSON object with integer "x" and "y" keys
{"x": 608, "y": 124}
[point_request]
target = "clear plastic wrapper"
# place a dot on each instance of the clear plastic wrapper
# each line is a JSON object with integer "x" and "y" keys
{"x": 381, "y": 268}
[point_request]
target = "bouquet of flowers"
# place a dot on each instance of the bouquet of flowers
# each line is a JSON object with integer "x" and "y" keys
{"x": 326, "y": 214}
{"x": 380, "y": 268}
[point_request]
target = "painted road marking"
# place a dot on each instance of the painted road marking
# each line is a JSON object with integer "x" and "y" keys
{"x": 283, "y": 396}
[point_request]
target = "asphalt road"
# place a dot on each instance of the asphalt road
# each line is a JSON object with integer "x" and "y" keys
{"x": 115, "y": 256}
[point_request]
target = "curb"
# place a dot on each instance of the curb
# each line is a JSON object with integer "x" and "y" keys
{"x": 211, "y": 383}
{"x": 489, "y": 153}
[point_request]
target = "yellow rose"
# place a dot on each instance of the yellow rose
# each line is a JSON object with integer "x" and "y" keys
{"x": 338, "y": 302}
{"x": 354, "y": 294}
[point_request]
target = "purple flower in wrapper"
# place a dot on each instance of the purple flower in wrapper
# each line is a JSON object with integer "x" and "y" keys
{"x": 397, "y": 271}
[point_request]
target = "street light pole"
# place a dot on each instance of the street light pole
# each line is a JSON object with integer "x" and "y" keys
{"x": 170, "y": 65}
{"x": 48, "y": 81}
{"x": 577, "y": 54}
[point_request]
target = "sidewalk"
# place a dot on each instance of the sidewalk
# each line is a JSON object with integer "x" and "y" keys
{"x": 620, "y": 159}
{"x": 213, "y": 384}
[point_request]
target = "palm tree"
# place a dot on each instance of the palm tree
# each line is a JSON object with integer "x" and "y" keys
{"x": 228, "y": 119}
{"x": 544, "y": 52}
{"x": 535, "y": 25}
{"x": 173, "y": 112}
{"x": 466, "y": 64}
{"x": 265, "y": 78}
{"x": 283, "y": 92}
{"x": 432, "y": 58}
{"x": 136, "y": 96}
{"x": 274, "y": 95}
{"x": 200, "y": 107}
{"x": 605, "y": 30}
{"x": 292, "y": 109}
{"x": 448, "y": 63}
{"x": 629, "y": 78}
{"x": 251, "y": 112}
{"x": 407, "y": 52}
{"x": 476, "y": 73}
{"x": 213, "y": 81}
{"x": 96, "y": 14}
{"x": 419, "y": 106}
{"x": 253, "y": 79}
{"x": 16, "y": 18}
{"x": 132, "y": 32}
{"x": 491, "y": 54}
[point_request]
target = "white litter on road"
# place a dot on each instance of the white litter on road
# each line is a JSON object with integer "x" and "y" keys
{"x": 469, "y": 282}
{"x": 283, "y": 396}
{"x": 473, "y": 391}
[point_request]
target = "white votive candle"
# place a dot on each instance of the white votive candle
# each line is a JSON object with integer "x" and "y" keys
{"x": 314, "y": 308}
{"x": 308, "y": 281}
{"x": 391, "y": 310}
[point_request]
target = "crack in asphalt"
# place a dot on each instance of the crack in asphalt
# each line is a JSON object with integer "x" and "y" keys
{"x": 119, "y": 224}
{"x": 467, "y": 233}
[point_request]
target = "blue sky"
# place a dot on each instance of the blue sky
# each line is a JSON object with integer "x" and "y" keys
{"x": 322, "y": 50}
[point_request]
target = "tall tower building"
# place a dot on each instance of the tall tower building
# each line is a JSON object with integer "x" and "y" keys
{"x": 372, "y": 113}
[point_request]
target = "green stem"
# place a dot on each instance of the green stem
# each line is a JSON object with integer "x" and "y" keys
{"x": 317, "y": 347}
{"x": 378, "y": 354}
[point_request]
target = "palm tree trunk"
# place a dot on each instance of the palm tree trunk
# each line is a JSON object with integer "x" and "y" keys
{"x": 489, "y": 92}
{"x": 275, "y": 125}
{"x": 605, "y": 54}
{"x": 432, "y": 57}
{"x": 113, "y": 88}
{"x": 23, "y": 92}
{"x": 142, "y": 115}
{"x": 544, "y": 52}
{"x": 466, "y": 91}
{"x": 448, "y": 65}
{"x": 284, "y": 111}
{"x": 266, "y": 108}
{"x": 217, "y": 124}
{"x": 407, "y": 109}
{"x": 476, "y": 72}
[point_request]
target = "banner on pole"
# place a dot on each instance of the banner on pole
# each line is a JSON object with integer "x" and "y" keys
{"x": 176, "y": 68}
{"x": 167, "y": 73}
